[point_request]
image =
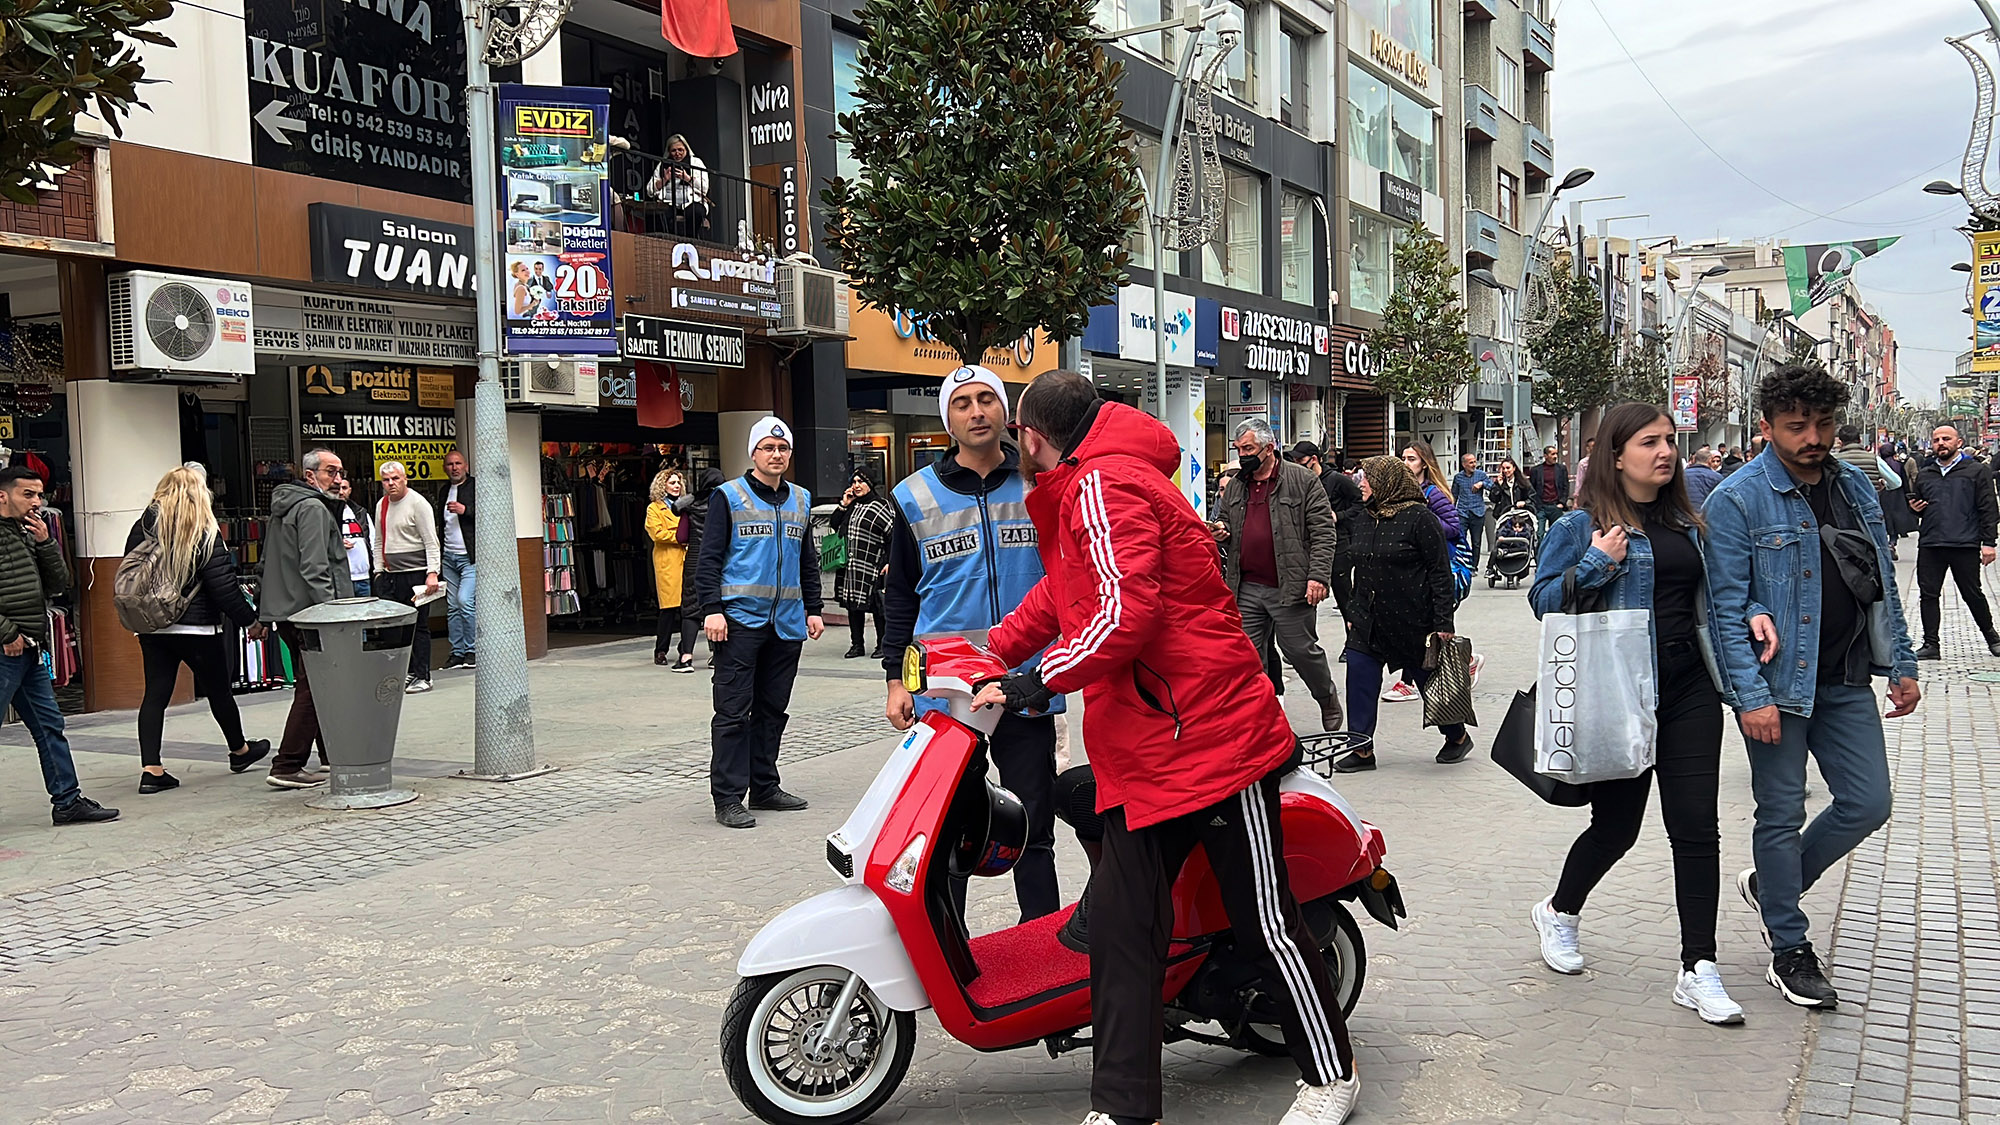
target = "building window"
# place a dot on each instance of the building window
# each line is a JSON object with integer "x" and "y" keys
{"x": 846, "y": 58}
{"x": 1510, "y": 200}
{"x": 1391, "y": 131}
{"x": 1238, "y": 77}
{"x": 1117, "y": 15}
{"x": 1295, "y": 81}
{"x": 1371, "y": 256}
{"x": 1235, "y": 255}
{"x": 1139, "y": 243}
{"x": 1298, "y": 223}
{"x": 1507, "y": 83}
{"x": 1412, "y": 23}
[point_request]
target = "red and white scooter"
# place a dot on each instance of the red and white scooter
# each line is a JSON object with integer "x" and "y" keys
{"x": 821, "y": 1027}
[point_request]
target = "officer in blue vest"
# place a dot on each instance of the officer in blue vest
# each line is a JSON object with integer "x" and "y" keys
{"x": 962, "y": 557}
{"x": 758, "y": 584}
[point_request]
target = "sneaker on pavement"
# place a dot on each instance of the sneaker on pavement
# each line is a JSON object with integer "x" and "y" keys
{"x": 469, "y": 661}
{"x": 734, "y": 815}
{"x": 1797, "y": 976}
{"x": 1993, "y": 645}
{"x": 83, "y": 810}
{"x": 1400, "y": 692}
{"x": 1929, "y": 652}
{"x": 1356, "y": 762}
{"x": 1330, "y": 1104}
{"x": 157, "y": 782}
{"x": 417, "y": 687}
{"x": 1478, "y": 662}
{"x": 253, "y": 752}
{"x": 1075, "y": 933}
{"x": 684, "y": 664}
{"x": 777, "y": 800}
{"x": 1700, "y": 989}
{"x": 1096, "y": 1118}
{"x": 1558, "y": 931}
{"x": 1452, "y": 752}
{"x": 452, "y": 661}
{"x": 1746, "y": 885}
{"x": 296, "y": 779}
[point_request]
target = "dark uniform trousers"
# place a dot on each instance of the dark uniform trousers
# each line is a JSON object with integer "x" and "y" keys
{"x": 754, "y": 670}
{"x": 1023, "y": 751}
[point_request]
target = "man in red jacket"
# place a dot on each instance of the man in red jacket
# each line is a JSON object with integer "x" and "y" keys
{"x": 1186, "y": 738}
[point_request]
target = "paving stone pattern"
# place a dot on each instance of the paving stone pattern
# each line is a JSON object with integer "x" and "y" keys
{"x": 55, "y": 923}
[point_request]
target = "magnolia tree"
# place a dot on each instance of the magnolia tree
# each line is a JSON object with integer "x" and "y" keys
{"x": 1576, "y": 358}
{"x": 61, "y": 59}
{"x": 1425, "y": 351}
{"x": 997, "y": 183}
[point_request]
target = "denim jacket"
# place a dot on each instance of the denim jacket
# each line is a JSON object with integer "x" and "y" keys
{"x": 1625, "y": 585}
{"x": 1764, "y": 545}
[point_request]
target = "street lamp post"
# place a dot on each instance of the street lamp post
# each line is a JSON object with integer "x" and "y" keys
{"x": 1512, "y": 413}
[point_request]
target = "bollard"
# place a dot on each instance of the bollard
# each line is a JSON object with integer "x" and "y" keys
{"x": 357, "y": 654}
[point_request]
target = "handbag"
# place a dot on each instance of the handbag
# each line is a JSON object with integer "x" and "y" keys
{"x": 1514, "y": 751}
{"x": 1598, "y": 715}
{"x": 1448, "y": 692}
{"x": 832, "y": 551}
{"x": 684, "y": 529}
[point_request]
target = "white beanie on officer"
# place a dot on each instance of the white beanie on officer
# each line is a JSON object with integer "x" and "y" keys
{"x": 770, "y": 426}
{"x": 966, "y": 376}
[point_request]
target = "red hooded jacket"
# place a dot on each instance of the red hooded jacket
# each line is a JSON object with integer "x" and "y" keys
{"x": 1177, "y": 711}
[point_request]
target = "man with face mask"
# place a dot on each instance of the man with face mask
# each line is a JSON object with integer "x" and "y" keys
{"x": 1186, "y": 737}
{"x": 1277, "y": 516}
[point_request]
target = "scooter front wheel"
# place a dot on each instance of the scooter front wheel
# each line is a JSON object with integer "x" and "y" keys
{"x": 780, "y": 1070}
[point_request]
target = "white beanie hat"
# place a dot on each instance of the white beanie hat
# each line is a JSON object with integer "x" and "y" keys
{"x": 770, "y": 426}
{"x": 968, "y": 375}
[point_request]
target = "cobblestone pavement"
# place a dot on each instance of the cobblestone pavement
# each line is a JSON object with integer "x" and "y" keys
{"x": 561, "y": 949}
{"x": 1916, "y": 949}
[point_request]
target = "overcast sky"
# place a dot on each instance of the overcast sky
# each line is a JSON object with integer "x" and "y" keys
{"x": 1846, "y": 107}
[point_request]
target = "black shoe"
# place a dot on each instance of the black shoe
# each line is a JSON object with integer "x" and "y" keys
{"x": 777, "y": 800}
{"x": 1454, "y": 751}
{"x": 1075, "y": 933}
{"x": 854, "y": 651}
{"x": 1929, "y": 651}
{"x": 157, "y": 782}
{"x": 83, "y": 810}
{"x": 253, "y": 752}
{"x": 1993, "y": 645}
{"x": 684, "y": 664}
{"x": 455, "y": 661}
{"x": 469, "y": 661}
{"x": 1797, "y": 976}
{"x": 875, "y": 653}
{"x": 735, "y": 816}
{"x": 1354, "y": 763}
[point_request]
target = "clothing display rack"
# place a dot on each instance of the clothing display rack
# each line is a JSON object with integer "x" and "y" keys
{"x": 559, "y": 554}
{"x": 253, "y": 665}
{"x": 597, "y": 557}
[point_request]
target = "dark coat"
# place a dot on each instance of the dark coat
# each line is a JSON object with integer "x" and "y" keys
{"x": 217, "y": 594}
{"x": 868, "y": 525}
{"x": 1536, "y": 474}
{"x": 304, "y": 563}
{"x": 1402, "y": 586}
{"x": 694, "y": 510}
{"x": 1961, "y": 509}
{"x": 1302, "y": 530}
{"x": 465, "y": 520}
{"x": 30, "y": 574}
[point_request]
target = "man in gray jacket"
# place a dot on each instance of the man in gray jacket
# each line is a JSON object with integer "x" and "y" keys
{"x": 1276, "y": 514}
{"x": 304, "y": 565}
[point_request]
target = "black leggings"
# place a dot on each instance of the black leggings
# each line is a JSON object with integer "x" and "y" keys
{"x": 857, "y": 623}
{"x": 674, "y": 620}
{"x": 207, "y": 656}
{"x": 1688, "y": 762}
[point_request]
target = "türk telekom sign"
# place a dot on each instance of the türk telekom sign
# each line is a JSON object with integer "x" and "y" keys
{"x": 1276, "y": 346}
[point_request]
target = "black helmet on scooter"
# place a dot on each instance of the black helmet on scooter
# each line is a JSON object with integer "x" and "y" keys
{"x": 993, "y": 847}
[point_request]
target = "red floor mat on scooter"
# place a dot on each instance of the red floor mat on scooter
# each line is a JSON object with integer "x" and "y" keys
{"x": 1025, "y": 960}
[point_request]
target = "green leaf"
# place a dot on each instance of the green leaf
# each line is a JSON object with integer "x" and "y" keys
{"x": 47, "y": 103}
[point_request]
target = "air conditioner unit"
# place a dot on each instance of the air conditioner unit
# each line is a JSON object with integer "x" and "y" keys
{"x": 171, "y": 328}
{"x": 549, "y": 382}
{"x": 814, "y": 301}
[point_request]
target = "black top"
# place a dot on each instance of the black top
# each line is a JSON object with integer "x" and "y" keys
{"x": 719, "y": 531}
{"x": 1677, "y": 575}
{"x": 217, "y": 594}
{"x": 1402, "y": 586}
{"x": 1344, "y": 497}
{"x": 899, "y": 589}
{"x": 1840, "y": 620}
{"x": 1960, "y": 507}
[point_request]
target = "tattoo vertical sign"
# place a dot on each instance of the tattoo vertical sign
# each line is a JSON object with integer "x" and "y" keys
{"x": 556, "y": 294}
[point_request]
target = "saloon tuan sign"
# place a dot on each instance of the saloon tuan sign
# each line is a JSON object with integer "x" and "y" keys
{"x": 1275, "y": 346}
{"x": 375, "y": 250}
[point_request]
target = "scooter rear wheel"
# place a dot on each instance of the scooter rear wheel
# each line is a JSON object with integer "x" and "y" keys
{"x": 1346, "y": 962}
{"x": 768, "y": 1032}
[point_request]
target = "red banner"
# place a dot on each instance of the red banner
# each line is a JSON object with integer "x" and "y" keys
{"x": 659, "y": 394}
{"x": 699, "y": 27}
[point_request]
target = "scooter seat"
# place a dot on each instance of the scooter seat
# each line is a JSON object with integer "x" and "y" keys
{"x": 1025, "y": 960}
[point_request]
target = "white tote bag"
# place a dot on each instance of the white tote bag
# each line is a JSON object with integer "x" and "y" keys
{"x": 1596, "y": 696}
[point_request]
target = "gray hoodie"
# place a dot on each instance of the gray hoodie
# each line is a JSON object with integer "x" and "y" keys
{"x": 304, "y": 563}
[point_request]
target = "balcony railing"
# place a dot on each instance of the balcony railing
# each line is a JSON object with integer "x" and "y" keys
{"x": 1482, "y": 238}
{"x": 1538, "y": 43}
{"x": 1482, "y": 113}
{"x": 1538, "y": 152}
{"x": 709, "y": 206}
{"x": 1481, "y": 10}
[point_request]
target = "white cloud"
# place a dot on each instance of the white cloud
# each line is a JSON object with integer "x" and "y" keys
{"x": 1822, "y": 102}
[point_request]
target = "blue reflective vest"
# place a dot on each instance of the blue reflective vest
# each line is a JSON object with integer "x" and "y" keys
{"x": 980, "y": 555}
{"x": 760, "y": 578}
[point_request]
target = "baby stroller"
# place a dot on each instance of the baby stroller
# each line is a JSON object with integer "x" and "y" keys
{"x": 1513, "y": 547}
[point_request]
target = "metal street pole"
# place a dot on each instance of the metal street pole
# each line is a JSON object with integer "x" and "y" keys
{"x": 503, "y": 732}
{"x": 1170, "y": 137}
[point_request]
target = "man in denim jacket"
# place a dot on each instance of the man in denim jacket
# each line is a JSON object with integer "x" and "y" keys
{"x": 1798, "y": 650}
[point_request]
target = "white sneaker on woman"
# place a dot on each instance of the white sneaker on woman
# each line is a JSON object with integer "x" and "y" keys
{"x": 1558, "y": 931}
{"x": 1701, "y": 989}
{"x": 1400, "y": 692}
{"x": 1324, "y": 1105}
{"x": 1097, "y": 1118}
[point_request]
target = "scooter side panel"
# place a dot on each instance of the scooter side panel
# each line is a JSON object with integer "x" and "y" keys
{"x": 1324, "y": 852}
{"x": 847, "y": 927}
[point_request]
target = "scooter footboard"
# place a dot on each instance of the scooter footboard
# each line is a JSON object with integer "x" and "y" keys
{"x": 847, "y": 927}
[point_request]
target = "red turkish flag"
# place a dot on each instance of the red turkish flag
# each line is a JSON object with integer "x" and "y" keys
{"x": 659, "y": 394}
{"x": 699, "y": 27}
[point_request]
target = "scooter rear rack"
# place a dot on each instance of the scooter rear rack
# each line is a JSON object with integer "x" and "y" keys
{"x": 1319, "y": 750}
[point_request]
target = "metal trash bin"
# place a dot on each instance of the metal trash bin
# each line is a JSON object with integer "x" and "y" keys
{"x": 357, "y": 654}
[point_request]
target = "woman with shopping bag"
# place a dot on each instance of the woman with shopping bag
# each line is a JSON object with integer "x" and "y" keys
{"x": 1402, "y": 598}
{"x": 1636, "y": 543}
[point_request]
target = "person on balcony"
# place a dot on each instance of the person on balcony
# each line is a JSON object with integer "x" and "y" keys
{"x": 681, "y": 181}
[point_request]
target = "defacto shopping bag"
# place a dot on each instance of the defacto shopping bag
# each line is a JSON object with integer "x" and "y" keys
{"x": 1596, "y": 693}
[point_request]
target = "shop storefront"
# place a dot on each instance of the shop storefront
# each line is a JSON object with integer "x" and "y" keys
{"x": 1360, "y": 413}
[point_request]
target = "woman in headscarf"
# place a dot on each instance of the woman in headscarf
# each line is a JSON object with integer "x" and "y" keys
{"x": 669, "y": 559}
{"x": 867, "y": 520}
{"x": 1402, "y": 596}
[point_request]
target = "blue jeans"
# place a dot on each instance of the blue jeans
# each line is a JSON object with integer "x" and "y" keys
{"x": 25, "y": 682}
{"x": 362, "y": 589}
{"x": 1845, "y": 736}
{"x": 1364, "y": 693}
{"x": 461, "y": 582}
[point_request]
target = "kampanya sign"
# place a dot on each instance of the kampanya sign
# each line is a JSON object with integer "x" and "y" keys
{"x": 1404, "y": 61}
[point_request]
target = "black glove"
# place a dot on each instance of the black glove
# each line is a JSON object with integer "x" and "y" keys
{"x": 1026, "y": 692}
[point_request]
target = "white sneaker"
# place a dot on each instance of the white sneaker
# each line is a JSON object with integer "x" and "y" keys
{"x": 1324, "y": 1105}
{"x": 416, "y": 687}
{"x": 1558, "y": 932}
{"x": 1400, "y": 692}
{"x": 1478, "y": 662}
{"x": 1097, "y": 1118}
{"x": 1746, "y": 885}
{"x": 1701, "y": 990}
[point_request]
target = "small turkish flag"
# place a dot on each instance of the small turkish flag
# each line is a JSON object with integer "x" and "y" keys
{"x": 659, "y": 394}
{"x": 699, "y": 27}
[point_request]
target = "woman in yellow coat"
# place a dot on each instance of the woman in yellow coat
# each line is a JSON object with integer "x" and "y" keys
{"x": 663, "y": 526}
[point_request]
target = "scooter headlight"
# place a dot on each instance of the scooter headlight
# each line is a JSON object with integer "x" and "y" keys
{"x": 913, "y": 669}
{"x": 902, "y": 876}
